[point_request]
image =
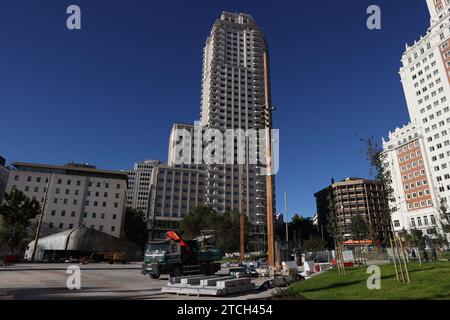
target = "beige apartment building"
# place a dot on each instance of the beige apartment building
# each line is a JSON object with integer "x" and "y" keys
{"x": 351, "y": 196}
{"x": 73, "y": 195}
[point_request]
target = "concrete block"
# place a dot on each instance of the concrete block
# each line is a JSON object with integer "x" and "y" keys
{"x": 213, "y": 281}
{"x": 232, "y": 283}
{"x": 195, "y": 280}
{"x": 178, "y": 279}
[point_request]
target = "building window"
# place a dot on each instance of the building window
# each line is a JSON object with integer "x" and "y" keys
{"x": 61, "y": 225}
{"x": 396, "y": 223}
{"x": 113, "y": 228}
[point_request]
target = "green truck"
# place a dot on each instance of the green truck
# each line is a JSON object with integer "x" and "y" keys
{"x": 177, "y": 257}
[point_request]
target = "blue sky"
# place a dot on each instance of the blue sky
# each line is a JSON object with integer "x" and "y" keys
{"x": 109, "y": 93}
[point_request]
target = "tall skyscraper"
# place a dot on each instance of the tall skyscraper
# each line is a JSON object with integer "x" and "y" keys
{"x": 421, "y": 164}
{"x": 235, "y": 96}
{"x": 235, "y": 103}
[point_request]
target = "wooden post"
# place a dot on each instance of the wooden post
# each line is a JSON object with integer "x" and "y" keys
{"x": 241, "y": 215}
{"x": 402, "y": 273}
{"x": 269, "y": 182}
{"x": 41, "y": 216}
{"x": 395, "y": 260}
{"x": 404, "y": 261}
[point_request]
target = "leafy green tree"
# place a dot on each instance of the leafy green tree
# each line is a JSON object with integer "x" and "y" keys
{"x": 16, "y": 212}
{"x": 358, "y": 228}
{"x": 416, "y": 239}
{"x": 313, "y": 244}
{"x": 135, "y": 227}
{"x": 300, "y": 230}
{"x": 226, "y": 226}
{"x": 444, "y": 216}
{"x": 198, "y": 219}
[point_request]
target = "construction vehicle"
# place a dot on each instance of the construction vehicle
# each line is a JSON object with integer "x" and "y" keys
{"x": 177, "y": 257}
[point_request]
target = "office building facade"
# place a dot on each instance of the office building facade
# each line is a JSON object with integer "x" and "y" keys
{"x": 73, "y": 195}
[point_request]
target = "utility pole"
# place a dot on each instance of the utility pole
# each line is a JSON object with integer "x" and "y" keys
{"x": 287, "y": 221}
{"x": 41, "y": 216}
{"x": 241, "y": 203}
{"x": 269, "y": 182}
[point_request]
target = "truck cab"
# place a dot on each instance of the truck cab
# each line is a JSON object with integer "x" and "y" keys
{"x": 177, "y": 257}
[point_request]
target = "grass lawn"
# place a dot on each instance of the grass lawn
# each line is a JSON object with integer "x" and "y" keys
{"x": 429, "y": 281}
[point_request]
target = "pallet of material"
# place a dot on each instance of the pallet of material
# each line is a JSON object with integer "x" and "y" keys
{"x": 210, "y": 286}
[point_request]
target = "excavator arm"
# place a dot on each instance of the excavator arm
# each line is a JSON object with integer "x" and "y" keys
{"x": 173, "y": 235}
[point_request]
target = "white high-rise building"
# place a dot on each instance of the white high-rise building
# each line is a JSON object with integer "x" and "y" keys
{"x": 234, "y": 96}
{"x": 414, "y": 194}
{"x": 425, "y": 76}
{"x": 139, "y": 185}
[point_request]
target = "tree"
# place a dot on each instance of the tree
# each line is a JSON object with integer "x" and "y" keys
{"x": 358, "y": 228}
{"x": 416, "y": 239}
{"x": 444, "y": 216}
{"x": 381, "y": 171}
{"x": 198, "y": 219}
{"x": 16, "y": 212}
{"x": 226, "y": 226}
{"x": 334, "y": 227}
{"x": 313, "y": 244}
{"x": 300, "y": 230}
{"x": 135, "y": 227}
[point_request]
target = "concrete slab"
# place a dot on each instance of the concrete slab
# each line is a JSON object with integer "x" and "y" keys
{"x": 195, "y": 280}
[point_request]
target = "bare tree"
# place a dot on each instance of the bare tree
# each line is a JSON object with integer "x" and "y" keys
{"x": 334, "y": 227}
{"x": 380, "y": 170}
